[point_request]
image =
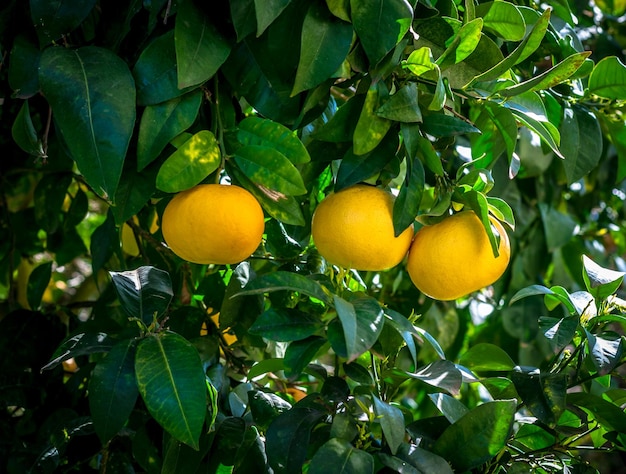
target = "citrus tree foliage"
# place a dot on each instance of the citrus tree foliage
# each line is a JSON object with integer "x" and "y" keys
{"x": 123, "y": 358}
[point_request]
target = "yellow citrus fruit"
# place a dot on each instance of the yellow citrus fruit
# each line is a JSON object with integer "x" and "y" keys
{"x": 129, "y": 242}
{"x": 213, "y": 223}
{"x": 353, "y": 228}
{"x": 453, "y": 258}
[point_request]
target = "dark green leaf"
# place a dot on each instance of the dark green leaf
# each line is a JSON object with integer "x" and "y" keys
{"x": 337, "y": 456}
{"x": 23, "y": 65}
{"x": 265, "y": 366}
{"x": 113, "y": 390}
{"x": 362, "y": 322}
{"x": 357, "y": 168}
{"x": 37, "y": 284}
{"x": 370, "y": 128}
{"x": 402, "y": 106}
{"x": 145, "y": 293}
{"x": 92, "y": 95}
{"x": 300, "y": 353}
{"x": 534, "y": 437}
{"x": 608, "y": 78}
{"x": 417, "y": 145}
{"x": 243, "y": 15}
{"x": 606, "y": 350}
{"x": 380, "y": 25}
{"x": 155, "y": 72}
{"x": 325, "y": 44}
{"x": 442, "y": 125}
{"x": 266, "y": 406}
{"x": 172, "y": 384}
{"x": 267, "y": 11}
{"x": 424, "y": 461}
{"x": 83, "y": 343}
{"x": 281, "y": 207}
{"x": 48, "y": 198}
{"x": 581, "y": 142}
{"x": 559, "y": 331}
{"x": 285, "y": 324}
{"x": 478, "y": 436}
{"x": 197, "y": 158}
{"x": 449, "y": 406}
{"x": 392, "y": 423}
{"x": 134, "y": 191}
{"x": 160, "y": 123}
{"x": 251, "y": 456}
{"x": 287, "y": 438}
{"x": 55, "y": 19}
{"x": 268, "y": 167}
{"x": 200, "y": 47}
{"x": 406, "y": 329}
{"x": 341, "y": 126}
{"x": 530, "y": 291}
{"x": 442, "y": 374}
{"x": 546, "y": 131}
{"x": 283, "y": 280}
{"x": 269, "y": 134}
{"x": 498, "y": 135}
{"x": 489, "y": 357}
{"x": 407, "y": 204}
{"x": 543, "y": 394}
{"x": 24, "y": 133}
{"x": 559, "y": 227}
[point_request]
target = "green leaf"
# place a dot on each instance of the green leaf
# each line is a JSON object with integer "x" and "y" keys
{"x": 406, "y": 329}
{"x": 559, "y": 331}
{"x": 478, "y": 436}
{"x": 113, "y": 389}
{"x": 300, "y": 353}
{"x": 370, "y": 128}
{"x": 155, "y": 72}
{"x": 407, "y": 204}
{"x": 546, "y": 131}
{"x": 559, "y": 228}
{"x": 83, "y": 343}
{"x": 267, "y": 11}
{"x": 543, "y": 394}
{"x": 449, "y": 406}
{"x": 172, "y": 384}
{"x": 442, "y": 374}
{"x": 504, "y": 19}
{"x": 610, "y": 416}
{"x": 92, "y": 95}
{"x": 338, "y": 456}
{"x": 145, "y": 293}
{"x": 285, "y": 324}
{"x": 133, "y": 192}
{"x": 421, "y": 459}
{"x": 402, "y": 106}
{"x": 581, "y": 142}
{"x": 281, "y": 207}
{"x": 23, "y": 64}
{"x": 487, "y": 357}
{"x": 380, "y": 25}
{"x": 498, "y": 134}
{"x": 341, "y": 126}
{"x": 265, "y": 366}
{"x": 392, "y": 423}
{"x": 443, "y": 125}
{"x": 243, "y": 15}
{"x": 361, "y": 321}
{"x": 608, "y": 78}
{"x": 420, "y": 61}
{"x": 268, "y": 167}
{"x": 601, "y": 282}
{"x": 24, "y": 133}
{"x": 53, "y": 19}
{"x": 356, "y": 168}
{"x": 200, "y": 47}
{"x": 550, "y": 78}
{"x": 606, "y": 350}
{"x": 160, "y": 123}
{"x": 265, "y": 407}
{"x": 37, "y": 284}
{"x": 418, "y": 145}
{"x": 462, "y": 44}
{"x": 197, "y": 158}
{"x": 325, "y": 43}
{"x": 269, "y": 134}
{"x": 283, "y": 280}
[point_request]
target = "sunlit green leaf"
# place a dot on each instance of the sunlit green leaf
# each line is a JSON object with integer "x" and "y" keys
{"x": 608, "y": 78}
{"x": 171, "y": 382}
{"x": 488, "y": 357}
{"x": 503, "y": 18}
